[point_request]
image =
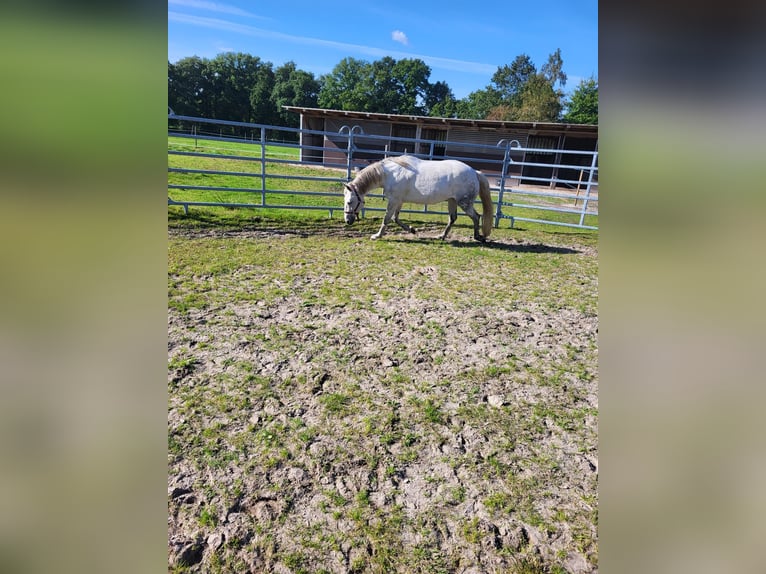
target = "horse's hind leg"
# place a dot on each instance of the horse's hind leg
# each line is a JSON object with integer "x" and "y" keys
{"x": 452, "y": 206}
{"x": 467, "y": 205}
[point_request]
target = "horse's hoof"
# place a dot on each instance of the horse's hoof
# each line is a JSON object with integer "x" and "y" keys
{"x": 480, "y": 239}
{"x": 376, "y": 236}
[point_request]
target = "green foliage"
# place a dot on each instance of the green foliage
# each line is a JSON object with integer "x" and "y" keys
{"x": 237, "y": 86}
{"x": 526, "y": 94}
{"x": 440, "y": 101}
{"x": 479, "y": 104}
{"x": 539, "y": 101}
{"x": 293, "y": 87}
{"x": 553, "y": 70}
{"x": 499, "y": 502}
{"x": 343, "y": 88}
{"x": 509, "y": 80}
{"x": 583, "y": 106}
{"x": 433, "y": 412}
{"x": 383, "y": 86}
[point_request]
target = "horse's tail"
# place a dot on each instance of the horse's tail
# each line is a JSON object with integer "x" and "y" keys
{"x": 486, "y": 203}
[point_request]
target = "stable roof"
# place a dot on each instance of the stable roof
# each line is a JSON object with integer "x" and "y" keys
{"x": 532, "y": 127}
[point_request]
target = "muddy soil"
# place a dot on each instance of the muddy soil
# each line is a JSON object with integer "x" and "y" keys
{"x": 406, "y": 434}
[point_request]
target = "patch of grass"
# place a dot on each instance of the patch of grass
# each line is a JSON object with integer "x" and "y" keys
{"x": 208, "y": 517}
{"x": 335, "y": 403}
{"x": 432, "y": 412}
{"x": 456, "y": 495}
{"x": 181, "y": 363}
{"x": 471, "y": 531}
{"x": 499, "y": 502}
{"x": 533, "y": 565}
{"x": 295, "y": 561}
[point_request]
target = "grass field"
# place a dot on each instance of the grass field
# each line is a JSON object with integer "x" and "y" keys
{"x": 338, "y": 404}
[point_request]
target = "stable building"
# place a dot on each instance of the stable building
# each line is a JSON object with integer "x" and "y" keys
{"x": 479, "y": 143}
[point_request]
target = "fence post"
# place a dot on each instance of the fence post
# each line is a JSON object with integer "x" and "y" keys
{"x": 579, "y": 182}
{"x": 507, "y": 161}
{"x": 350, "y": 147}
{"x": 263, "y": 166}
{"x": 349, "y": 153}
{"x": 588, "y": 187}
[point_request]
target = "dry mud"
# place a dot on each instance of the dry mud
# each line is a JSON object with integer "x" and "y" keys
{"x": 403, "y": 434}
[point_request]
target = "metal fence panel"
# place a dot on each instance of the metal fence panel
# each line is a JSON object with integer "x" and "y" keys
{"x": 268, "y": 148}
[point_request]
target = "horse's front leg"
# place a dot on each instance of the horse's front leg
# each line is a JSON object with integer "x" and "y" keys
{"x": 391, "y": 210}
{"x": 382, "y": 229}
{"x": 402, "y": 224}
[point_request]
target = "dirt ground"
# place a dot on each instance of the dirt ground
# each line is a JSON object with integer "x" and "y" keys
{"x": 318, "y": 429}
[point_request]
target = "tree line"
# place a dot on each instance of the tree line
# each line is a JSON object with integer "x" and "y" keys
{"x": 242, "y": 87}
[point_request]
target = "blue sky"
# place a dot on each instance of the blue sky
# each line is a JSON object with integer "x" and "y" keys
{"x": 463, "y": 44}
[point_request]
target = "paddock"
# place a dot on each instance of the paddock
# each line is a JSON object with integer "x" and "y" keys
{"x": 344, "y": 405}
{"x": 235, "y": 164}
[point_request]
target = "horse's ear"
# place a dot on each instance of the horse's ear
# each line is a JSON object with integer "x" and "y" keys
{"x": 347, "y": 186}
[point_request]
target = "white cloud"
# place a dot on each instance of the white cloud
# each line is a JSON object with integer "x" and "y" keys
{"x": 399, "y": 36}
{"x": 433, "y": 61}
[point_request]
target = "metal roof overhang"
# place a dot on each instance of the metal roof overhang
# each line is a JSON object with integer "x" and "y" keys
{"x": 572, "y": 129}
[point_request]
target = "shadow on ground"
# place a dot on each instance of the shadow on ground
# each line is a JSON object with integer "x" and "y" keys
{"x": 203, "y": 224}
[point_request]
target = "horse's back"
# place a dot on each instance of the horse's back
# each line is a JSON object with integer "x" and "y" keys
{"x": 431, "y": 181}
{"x": 417, "y": 165}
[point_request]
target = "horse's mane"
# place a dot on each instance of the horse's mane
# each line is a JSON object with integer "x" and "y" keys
{"x": 372, "y": 175}
{"x": 369, "y": 178}
{"x": 402, "y": 160}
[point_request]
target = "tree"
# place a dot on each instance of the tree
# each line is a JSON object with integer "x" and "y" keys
{"x": 553, "y": 70}
{"x": 293, "y": 87}
{"x": 344, "y": 87}
{"x": 440, "y": 101}
{"x": 385, "y": 89}
{"x": 189, "y": 87}
{"x": 478, "y": 105}
{"x": 242, "y": 87}
{"x": 509, "y": 80}
{"x": 384, "y": 86}
{"x": 582, "y": 108}
{"x": 234, "y": 75}
{"x": 529, "y": 95}
{"x": 411, "y": 77}
{"x": 539, "y": 101}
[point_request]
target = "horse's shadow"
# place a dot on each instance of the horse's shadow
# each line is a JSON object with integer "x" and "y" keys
{"x": 204, "y": 225}
{"x": 493, "y": 244}
{"x": 516, "y": 247}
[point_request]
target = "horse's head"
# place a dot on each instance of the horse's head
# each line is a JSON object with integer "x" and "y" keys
{"x": 352, "y": 203}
